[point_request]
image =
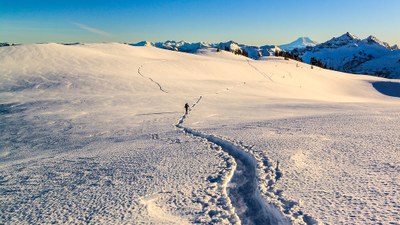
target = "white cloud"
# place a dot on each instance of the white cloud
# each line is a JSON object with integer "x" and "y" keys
{"x": 92, "y": 30}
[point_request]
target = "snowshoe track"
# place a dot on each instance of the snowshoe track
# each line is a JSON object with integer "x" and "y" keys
{"x": 139, "y": 71}
{"x": 244, "y": 194}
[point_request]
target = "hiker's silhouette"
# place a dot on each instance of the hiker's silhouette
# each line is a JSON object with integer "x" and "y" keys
{"x": 187, "y": 108}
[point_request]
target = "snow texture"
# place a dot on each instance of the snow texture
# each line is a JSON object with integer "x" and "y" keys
{"x": 90, "y": 135}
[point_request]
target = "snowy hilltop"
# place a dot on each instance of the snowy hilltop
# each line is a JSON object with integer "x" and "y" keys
{"x": 301, "y": 42}
{"x": 351, "y": 54}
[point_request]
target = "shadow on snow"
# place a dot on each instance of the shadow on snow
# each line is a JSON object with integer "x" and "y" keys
{"x": 387, "y": 88}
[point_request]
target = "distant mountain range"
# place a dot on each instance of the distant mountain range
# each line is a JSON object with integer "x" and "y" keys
{"x": 351, "y": 54}
{"x": 7, "y": 44}
{"x": 346, "y": 53}
{"x": 253, "y": 52}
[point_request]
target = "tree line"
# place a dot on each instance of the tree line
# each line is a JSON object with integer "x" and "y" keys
{"x": 286, "y": 55}
{"x": 236, "y": 51}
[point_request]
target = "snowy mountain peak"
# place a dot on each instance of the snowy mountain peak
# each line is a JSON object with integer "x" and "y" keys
{"x": 371, "y": 40}
{"x": 229, "y": 44}
{"x": 143, "y": 43}
{"x": 347, "y": 53}
{"x": 350, "y": 36}
{"x": 306, "y": 41}
{"x": 342, "y": 40}
{"x": 347, "y": 37}
{"x": 301, "y": 42}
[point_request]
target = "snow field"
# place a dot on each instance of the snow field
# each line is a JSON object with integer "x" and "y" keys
{"x": 51, "y": 122}
{"x": 88, "y": 136}
{"x": 120, "y": 179}
{"x": 340, "y": 168}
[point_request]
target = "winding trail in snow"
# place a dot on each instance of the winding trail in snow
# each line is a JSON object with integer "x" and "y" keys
{"x": 259, "y": 71}
{"x": 149, "y": 78}
{"x": 244, "y": 192}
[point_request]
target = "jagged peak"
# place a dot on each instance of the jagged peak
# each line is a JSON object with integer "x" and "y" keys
{"x": 373, "y": 40}
{"x": 342, "y": 40}
{"x": 351, "y": 35}
{"x": 347, "y": 36}
{"x": 371, "y": 37}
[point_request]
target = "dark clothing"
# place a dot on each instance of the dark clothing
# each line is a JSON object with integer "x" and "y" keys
{"x": 187, "y": 108}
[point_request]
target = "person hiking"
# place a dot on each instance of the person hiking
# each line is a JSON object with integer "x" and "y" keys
{"x": 187, "y": 108}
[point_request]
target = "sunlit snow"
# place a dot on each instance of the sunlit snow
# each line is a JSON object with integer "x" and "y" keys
{"x": 96, "y": 134}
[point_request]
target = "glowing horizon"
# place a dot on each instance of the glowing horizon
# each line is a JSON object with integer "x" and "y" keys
{"x": 249, "y": 22}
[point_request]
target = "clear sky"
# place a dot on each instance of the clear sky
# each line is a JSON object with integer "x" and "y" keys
{"x": 255, "y": 22}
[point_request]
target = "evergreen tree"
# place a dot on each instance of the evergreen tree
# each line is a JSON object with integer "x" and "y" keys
{"x": 245, "y": 53}
{"x": 316, "y": 62}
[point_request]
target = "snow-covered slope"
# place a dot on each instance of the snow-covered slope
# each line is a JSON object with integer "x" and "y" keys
{"x": 350, "y": 54}
{"x": 301, "y": 42}
{"x": 95, "y": 134}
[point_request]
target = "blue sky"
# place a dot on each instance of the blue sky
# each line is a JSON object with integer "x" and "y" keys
{"x": 255, "y": 22}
